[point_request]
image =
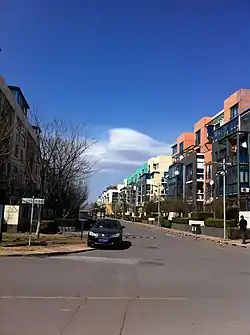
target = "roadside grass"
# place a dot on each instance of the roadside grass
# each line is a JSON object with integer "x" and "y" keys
{"x": 21, "y": 240}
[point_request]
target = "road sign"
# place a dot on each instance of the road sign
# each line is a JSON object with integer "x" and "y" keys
{"x": 34, "y": 201}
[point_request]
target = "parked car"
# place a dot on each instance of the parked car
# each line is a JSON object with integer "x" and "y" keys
{"x": 106, "y": 232}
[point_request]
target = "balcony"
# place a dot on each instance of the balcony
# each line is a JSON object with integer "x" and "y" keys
{"x": 225, "y": 130}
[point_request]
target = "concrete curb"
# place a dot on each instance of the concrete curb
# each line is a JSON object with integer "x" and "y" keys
{"x": 197, "y": 237}
{"x": 45, "y": 254}
{"x": 202, "y": 237}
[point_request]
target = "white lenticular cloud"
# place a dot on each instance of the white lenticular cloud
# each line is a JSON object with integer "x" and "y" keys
{"x": 126, "y": 147}
{"x": 117, "y": 157}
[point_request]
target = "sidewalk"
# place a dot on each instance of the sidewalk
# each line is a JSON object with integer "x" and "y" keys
{"x": 43, "y": 251}
{"x": 174, "y": 232}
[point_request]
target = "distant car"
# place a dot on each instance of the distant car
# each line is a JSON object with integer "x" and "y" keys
{"x": 105, "y": 232}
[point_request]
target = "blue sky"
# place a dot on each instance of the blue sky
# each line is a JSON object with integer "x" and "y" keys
{"x": 135, "y": 72}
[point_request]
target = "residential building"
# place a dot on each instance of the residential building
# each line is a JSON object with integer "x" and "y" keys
{"x": 216, "y": 122}
{"x": 142, "y": 180}
{"x": 20, "y": 168}
{"x": 185, "y": 178}
{"x": 156, "y": 168}
{"x": 231, "y": 143}
{"x": 109, "y": 197}
{"x": 123, "y": 191}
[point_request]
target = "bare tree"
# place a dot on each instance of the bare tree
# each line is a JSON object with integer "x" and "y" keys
{"x": 64, "y": 166}
{"x": 5, "y": 126}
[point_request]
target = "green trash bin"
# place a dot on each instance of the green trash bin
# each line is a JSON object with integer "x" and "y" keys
{"x": 196, "y": 228}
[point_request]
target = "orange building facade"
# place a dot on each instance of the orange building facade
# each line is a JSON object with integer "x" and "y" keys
{"x": 196, "y": 155}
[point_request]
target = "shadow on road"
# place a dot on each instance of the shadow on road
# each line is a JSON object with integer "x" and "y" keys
{"x": 125, "y": 245}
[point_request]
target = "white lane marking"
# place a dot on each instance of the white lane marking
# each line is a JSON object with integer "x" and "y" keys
{"x": 89, "y": 298}
{"x": 98, "y": 259}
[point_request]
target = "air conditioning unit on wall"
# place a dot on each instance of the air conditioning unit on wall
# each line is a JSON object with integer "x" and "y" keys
{"x": 244, "y": 189}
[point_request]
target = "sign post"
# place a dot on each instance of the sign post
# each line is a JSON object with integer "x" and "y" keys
{"x": 32, "y": 201}
{"x": 31, "y": 219}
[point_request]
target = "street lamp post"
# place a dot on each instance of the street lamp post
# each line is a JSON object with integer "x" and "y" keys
{"x": 176, "y": 173}
{"x": 158, "y": 204}
{"x": 223, "y": 173}
{"x": 159, "y": 207}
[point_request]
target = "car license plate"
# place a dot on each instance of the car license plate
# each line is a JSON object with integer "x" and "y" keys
{"x": 103, "y": 241}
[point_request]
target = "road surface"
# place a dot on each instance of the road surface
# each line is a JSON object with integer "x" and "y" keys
{"x": 158, "y": 285}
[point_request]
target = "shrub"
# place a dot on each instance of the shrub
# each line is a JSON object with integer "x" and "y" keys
{"x": 218, "y": 223}
{"x": 232, "y": 213}
{"x": 138, "y": 219}
{"x": 49, "y": 227}
{"x": 65, "y": 222}
{"x": 180, "y": 220}
{"x": 166, "y": 223}
{"x": 234, "y": 233}
{"x": 201, "y": 216}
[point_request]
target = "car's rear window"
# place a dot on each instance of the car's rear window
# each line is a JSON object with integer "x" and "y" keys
{"x": 107, "y": 224}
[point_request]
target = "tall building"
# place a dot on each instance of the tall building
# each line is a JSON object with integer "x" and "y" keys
{"x": 109, "y": 197}
{"x": 185, "y": 177}
{"x": 156, "y": 168}
{"x": 19, "y": 168}
{"x": 230, "y": 141}
{"x": 196, "y": 175}
{"x": 145, "y": 184}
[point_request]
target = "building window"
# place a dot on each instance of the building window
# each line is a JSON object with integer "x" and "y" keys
{"x": 244, "y": 176}
{"x": 208, "y": 171}
{"x": 198, "y": 137}
{"x": 174, "y": 149}
{"x": 189, "y": 172}
{"x": 234, "y": 111}
{"x": 181, "y": 147}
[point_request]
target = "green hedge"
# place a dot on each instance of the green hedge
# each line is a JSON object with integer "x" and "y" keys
{"x": 218, "y": 223}
{"x": 166, "y": 223}
{"x": 49, "y": 227}
{"x": 65, "y": 222}
{"x": 180, "y": 220}
{"x": 201, "y": 216}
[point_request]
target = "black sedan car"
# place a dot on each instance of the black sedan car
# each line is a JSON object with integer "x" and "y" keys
{"x": 106, "y": 232}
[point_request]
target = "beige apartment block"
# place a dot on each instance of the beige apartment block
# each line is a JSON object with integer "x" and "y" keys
{"x": 156, "y": 167}
{"x": 19, "y": 168}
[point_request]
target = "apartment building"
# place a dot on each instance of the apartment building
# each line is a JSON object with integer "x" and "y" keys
{"x": 230, "y": 141}
{"x": 109, "y": 197}
{"x": 145, "y": 184}
{"x": 185, "y": 179}
{"x": 156, "y": 168}
{"x": 216, "y": 122}
{"x": 20, "y": 168}
{"x": 196, "y": 174}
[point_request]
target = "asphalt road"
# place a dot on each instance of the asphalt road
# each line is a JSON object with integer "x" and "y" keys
{"x": 158, "y": 285}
